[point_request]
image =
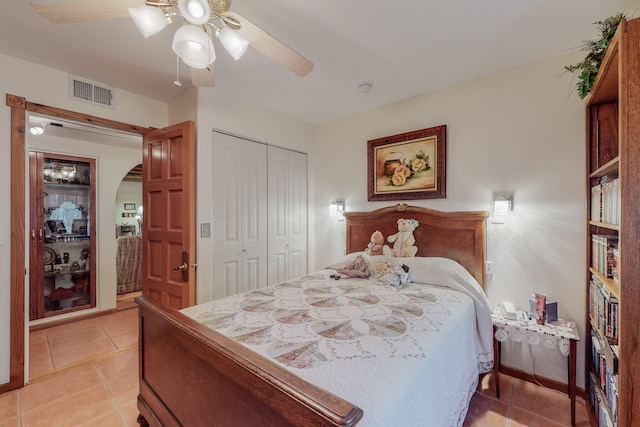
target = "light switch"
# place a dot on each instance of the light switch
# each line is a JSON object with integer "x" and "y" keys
{"x": 205, "y": 229}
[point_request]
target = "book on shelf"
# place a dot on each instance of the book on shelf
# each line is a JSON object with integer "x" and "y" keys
{"x": 602, "y": 257}
{"x": 605, "y": 200}
{"x": 606, "y": 409}
{"x": 615, "y": 264}
{"x": 604, "y": 310}
{"x": 596, "y": 203}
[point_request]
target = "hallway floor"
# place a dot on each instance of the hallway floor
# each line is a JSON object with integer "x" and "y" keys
{"x": 86, "y": 374}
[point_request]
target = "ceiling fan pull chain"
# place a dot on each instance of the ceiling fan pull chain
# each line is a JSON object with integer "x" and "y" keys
{"x": 177, "y": 82}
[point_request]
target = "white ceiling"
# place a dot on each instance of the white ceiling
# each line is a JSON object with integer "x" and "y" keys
{"x": 405, "y": 48}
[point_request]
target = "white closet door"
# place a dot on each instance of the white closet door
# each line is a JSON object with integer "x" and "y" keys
{"x": 287, "y": 252}
{"x": 297, "y": 214}
{"x": 239, "y": 228}
{"x": 278, "y": 159}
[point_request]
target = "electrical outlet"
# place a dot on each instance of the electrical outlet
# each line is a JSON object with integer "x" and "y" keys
{"x": 488, "y": 268}
{"x": 205, "y": 229}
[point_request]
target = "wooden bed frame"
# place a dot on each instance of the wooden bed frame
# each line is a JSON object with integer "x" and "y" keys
{"x": 459, "y": 236}
{"x": 190, "y": 375}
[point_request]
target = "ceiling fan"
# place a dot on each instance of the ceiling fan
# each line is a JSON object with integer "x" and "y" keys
{"x": 203, "y": 19}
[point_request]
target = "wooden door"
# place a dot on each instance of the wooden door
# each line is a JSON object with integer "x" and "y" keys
{"x": 168, "y": 228}
{"x": 240, "y": 215}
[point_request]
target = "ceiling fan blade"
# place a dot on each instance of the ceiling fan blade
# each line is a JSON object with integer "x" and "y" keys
{"x": 68, "y": 11}
{"x": 264, "y": 43}
{"x": 203, "y": 77}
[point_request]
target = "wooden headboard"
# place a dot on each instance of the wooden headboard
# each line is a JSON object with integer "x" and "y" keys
{"x": 456, "y": 235}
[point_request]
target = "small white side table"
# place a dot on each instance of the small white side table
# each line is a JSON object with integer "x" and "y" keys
{"x": 561, "y": 334}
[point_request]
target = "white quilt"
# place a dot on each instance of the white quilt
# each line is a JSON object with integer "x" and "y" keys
{"x": 408, "y": 355}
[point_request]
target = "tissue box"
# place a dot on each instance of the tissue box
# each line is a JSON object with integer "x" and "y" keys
{"x": 552, "y": 309}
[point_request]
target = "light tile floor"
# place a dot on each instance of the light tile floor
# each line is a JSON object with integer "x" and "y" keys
{"x": 86, "y": 374}
{"x": 65, "y": 346}
{"x": 522, "y": 403}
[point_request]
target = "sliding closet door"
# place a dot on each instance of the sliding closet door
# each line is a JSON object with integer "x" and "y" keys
{"x": 239, "y": 228}
{"x": 287, "y": 214}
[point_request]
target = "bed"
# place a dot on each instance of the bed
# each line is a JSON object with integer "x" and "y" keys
{"x": 212, "y": 365}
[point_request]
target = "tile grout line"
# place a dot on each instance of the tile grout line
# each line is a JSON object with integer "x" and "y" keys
{"x": 20, "y": 406}
{"x": 113, "y": 397}
{"x": 511, "y": 392}
{"x": 109, "y": 335}
{"x": 84, "y": 362}
{"x": 49, "y": 350}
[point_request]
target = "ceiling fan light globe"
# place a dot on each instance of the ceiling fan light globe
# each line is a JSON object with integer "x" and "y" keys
{"x": 149, "y": 20}
{"x": 233, "y": 42}
{"x": 196, "y": 12}
{"x": 193, "y": 46}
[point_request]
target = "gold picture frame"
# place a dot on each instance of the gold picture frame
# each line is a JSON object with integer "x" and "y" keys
{"x": 408, "y": 166}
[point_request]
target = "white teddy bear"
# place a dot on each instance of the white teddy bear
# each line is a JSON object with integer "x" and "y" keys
{"x": 388, "y": 272}
{"x": 403, "y": 240}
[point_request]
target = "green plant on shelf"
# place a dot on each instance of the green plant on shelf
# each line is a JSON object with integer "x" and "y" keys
{"x": 587, "y": 70}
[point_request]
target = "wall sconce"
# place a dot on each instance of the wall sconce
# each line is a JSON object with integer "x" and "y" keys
{"x": 502, "y": 206}
{"x": 336, "y": 209}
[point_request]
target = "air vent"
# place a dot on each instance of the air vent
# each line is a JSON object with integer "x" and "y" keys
{"x": 91, "y": 92}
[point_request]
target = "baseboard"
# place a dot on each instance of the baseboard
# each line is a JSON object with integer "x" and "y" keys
{"x": 66, "y": 320}
{"x": 4, "y": 388}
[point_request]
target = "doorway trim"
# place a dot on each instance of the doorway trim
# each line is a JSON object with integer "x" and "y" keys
{"x": 19, "y": 109}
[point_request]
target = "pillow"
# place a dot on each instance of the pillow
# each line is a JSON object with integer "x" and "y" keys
{"x": 344, "y": 261}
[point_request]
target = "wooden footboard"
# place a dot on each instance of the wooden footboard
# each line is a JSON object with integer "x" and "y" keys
{"x": 191, "y": 375}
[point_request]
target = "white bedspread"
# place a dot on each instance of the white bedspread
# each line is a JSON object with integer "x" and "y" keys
{"x": 408, "y": 355}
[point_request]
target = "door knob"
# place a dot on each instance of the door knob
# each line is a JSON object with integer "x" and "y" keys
{"x": 181, "y": 267}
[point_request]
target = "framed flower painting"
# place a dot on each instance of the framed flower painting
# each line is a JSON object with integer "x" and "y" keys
{"x": 408, "y": 166}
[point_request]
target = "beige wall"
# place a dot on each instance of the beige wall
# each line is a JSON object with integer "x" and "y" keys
{"x": 517, "y": 131}
{"x": 184, "y": 106}
{"x": 47, "y": 86}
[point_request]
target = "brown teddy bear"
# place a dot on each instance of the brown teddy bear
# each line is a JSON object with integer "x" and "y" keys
{"x": 375, "y": 245}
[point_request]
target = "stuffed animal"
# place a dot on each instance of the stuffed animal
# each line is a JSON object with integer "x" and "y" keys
{"x": 403, "y": 240}
{"x": 387, "y": 272}
{"x": 375, "y": 245}
{"x": 357, "y": 268}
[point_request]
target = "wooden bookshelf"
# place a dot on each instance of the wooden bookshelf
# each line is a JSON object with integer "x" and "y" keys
{"x": 613, "y": 150}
